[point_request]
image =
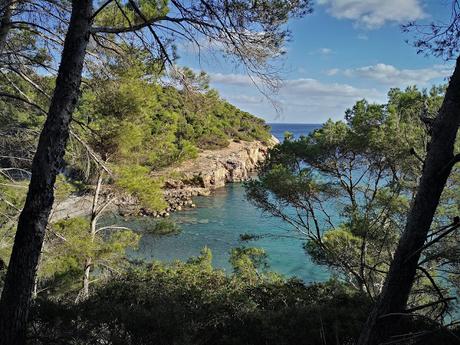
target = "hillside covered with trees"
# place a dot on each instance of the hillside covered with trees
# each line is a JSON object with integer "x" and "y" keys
{"x": 93, "y": 102}
{"x": 127, "y": 125}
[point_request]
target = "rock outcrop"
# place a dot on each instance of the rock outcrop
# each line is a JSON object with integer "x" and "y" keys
{"x": 211, "y": 170}
{"x": 73, "y": 206}
{"x": 200, "y": 176}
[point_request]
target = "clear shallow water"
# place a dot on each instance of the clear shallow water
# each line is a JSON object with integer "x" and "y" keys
{"x": 219, "y": 220}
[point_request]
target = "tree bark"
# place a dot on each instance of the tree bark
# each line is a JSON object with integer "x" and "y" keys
{"x": 437, "y": 167}
{"x": 47, "y": 163}
{"x": 6, "y": 11}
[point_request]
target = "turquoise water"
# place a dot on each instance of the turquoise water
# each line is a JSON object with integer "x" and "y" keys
{"x": 217, "y": 223}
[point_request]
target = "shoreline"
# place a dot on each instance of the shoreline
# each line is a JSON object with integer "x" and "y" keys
{"x": 211, "y": 170}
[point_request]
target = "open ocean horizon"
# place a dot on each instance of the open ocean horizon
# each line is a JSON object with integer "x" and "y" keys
{"x": 297, "y": 129}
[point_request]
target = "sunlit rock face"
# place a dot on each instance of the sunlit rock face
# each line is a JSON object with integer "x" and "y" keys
{"x": 210, "y": 170}
{"x": 213, "y": 169}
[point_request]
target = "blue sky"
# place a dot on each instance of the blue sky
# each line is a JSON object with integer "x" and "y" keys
{"x": 345, "y": 51}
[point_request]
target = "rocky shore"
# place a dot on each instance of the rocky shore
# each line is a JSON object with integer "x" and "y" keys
{"x": 211, "y": 170}
{"x": 200, "y": 176}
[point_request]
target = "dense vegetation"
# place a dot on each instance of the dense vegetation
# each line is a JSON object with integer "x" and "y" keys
{"x": 135, "y": 120}
{"x": 128, "y": 117}
{"x": 132, "y": 123}
{"x": 348, "y": 187}
{"x": 369, "y": 162}
{"x": 388, "y": 172}
{"x": 126, "y": 125}
{"x": 191, "y": 303}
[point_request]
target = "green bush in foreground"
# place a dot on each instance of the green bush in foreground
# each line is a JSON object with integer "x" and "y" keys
{"x": 192, "y": 303}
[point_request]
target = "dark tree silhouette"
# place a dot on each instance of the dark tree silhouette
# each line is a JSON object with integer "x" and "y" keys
{"x": 438, "y": 39}
{"x": 48, "y": 161}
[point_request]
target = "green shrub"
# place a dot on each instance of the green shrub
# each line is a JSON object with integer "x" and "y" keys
{"x": 192, "y": 303}
{"x": 135, "y": 179}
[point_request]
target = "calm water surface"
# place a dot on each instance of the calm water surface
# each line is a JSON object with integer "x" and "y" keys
{"x": 217, "y": 223}
{"x": 297, "y": 129}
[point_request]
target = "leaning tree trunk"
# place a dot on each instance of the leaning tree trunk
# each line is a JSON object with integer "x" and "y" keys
{"x": 437, "y": 166}
{"x": 48, "y": 161}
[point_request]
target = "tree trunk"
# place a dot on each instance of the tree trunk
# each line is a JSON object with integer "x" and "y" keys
{"x": 47, "y": 163}
{"x": 437, "y": 167}
{"x": 93, "y": 229}
{"x": 86, "y": 276}
{"x": 6, "y": 10}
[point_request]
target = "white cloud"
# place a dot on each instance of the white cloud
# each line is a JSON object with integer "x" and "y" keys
{"x": 332, "y": 72}
{"x": 375, "y": 13}
{"x": 201, "y": 45}
{"x": 307, "y": 87}
{"x": 325, "y": 51}
{"x": 314, "y": 101}
{"x": 249, "y": 99}
{"x": 231, "y": 79}
{"x": 302, "y": 100}
{"x": 390, "y": 75}
{"x": 322, "y": 51}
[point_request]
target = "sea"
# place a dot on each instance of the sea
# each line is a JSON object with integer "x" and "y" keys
{"x": 218, "y": 221}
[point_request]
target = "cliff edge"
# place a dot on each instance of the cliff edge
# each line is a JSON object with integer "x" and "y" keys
{"x": 211, "y": 170}
{"x": 200, "y": 176}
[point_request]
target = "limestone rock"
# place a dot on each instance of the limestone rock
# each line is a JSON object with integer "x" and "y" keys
{"x": 196, "y": 177}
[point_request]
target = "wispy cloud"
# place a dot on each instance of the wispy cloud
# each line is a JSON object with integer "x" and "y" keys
{"x": 392, "y": 76}
{"x": 300, "y": 86}
{"x": 325, "y": 51}
{"x": 249, "y": 99}
{"x": 373, "y": 14}
{"x": 308, "y": 87}
{"x": 313, "y": 100}
{"x": 302, "y": 99}
{"x": 322, "y": 51}
{"x": 232, "y": 79}
{"x": 332, "y": 72}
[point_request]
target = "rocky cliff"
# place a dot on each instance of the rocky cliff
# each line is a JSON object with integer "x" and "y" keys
{"x": 200, "y": 176}
{"x": 211, "y": 170}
